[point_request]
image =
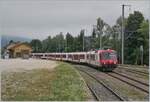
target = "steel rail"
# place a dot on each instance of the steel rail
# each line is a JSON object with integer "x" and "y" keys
{"x": 135, "y": 66}
{"x": 93, "y": 92}
{"x": 102, "y": 83}
{"x": 131, "y": 78}
{"x": 142, "y": 89}
{"x": 133, "y": 70}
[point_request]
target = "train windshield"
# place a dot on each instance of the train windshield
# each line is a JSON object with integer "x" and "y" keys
{"x": 108, "y": 55}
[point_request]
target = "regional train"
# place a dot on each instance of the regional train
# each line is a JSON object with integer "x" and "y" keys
{"x": 106, "y": 60}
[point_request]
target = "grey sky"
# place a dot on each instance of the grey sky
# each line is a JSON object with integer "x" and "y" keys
{"x": 40, "y": 18}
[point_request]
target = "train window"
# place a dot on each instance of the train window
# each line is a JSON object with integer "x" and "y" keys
{"x": 64, "y": 56}
{"x": 108, "y": 55}
{"x": 69, "y": 56}
{"x": 75, "y": 57}
{"x": 81, "y": 56}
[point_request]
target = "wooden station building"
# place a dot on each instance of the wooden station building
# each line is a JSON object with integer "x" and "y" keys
{"x": 18, "y": 50}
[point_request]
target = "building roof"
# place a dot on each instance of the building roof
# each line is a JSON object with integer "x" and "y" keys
{"x": 14, "y": 45}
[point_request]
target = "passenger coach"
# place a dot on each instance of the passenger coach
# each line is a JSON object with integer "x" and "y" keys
{"x": 102, "y": 59}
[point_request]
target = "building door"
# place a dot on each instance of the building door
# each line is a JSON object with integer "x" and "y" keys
{"x": 25, "y": 53}
{"x": 18, "y": 54}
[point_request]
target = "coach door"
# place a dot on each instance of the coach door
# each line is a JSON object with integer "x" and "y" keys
{"x": 92, "y": 58}
{"x": 97, "y": 59}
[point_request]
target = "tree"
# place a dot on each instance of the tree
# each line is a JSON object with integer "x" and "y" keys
{"x": 58, "y": 43}
{"x": 76, "y": 44}
{"x": 132, "y": 37}
{"x": 100, "y": 26}
{"x": 115, "y": 42}
{"x": 36, "y": 45}
{"x": 107, "y": 37}
{"x": 93, "y": 39}
{"x": 47, "y": 44}
{"x": 11, "y": 41}
{"x": 69, "y": 42}
{"x": 144, "y": 30}
{"x": 79, "y": 41}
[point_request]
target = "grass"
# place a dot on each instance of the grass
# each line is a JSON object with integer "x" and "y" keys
{"x": 61, "y": 84}
{"x": 68, "y": 85}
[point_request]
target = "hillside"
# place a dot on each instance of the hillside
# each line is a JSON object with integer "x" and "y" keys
{"x": 6, "y": 38}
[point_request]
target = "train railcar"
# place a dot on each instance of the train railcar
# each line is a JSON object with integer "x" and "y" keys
{"x": 108, "y": 58}
{"x": 79, "y": 57}
{"x": 64, "y": 56}
{"x": 37, "y": 55}
{"x": 82, "y": 57}
{"x": 93, "y": 58}
{"x": 103, "y": 59}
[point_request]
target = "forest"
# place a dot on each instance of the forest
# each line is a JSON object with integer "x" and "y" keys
{"x": 103, "y": 36}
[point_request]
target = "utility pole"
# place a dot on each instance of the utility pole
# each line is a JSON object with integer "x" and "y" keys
{"x": 83, "y": 39}
{"x": 94, "y": 39}
{"x": 122, "y": 30}
{"x": 100, "y": 40}
{"x": 141, "y": 50}
{"x": 66, "y": 45}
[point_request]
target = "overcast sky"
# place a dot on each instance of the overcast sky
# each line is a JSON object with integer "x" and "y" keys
{"x": 41, "y": 18}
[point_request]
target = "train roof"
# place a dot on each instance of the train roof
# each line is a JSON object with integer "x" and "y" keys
{"x": 94, "y": 51}
{"x": 108, "y": 50}
{"x": 76, "y": 53}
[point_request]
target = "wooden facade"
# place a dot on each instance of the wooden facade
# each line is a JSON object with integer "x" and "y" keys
{"x": 19, "y": 50}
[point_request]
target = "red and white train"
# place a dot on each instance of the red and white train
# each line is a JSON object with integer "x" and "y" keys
{"x": 104, "y": 59}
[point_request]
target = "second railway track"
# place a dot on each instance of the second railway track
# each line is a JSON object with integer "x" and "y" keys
{"x": 129, "y": 77}
{"x": 135, "y": 71}
{"x": 139, "y": 85}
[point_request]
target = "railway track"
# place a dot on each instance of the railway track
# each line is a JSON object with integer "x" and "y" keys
{"x": 134, "y": 66}
{"x": 131, "y": 78}
{"x": 113, "y": 94}
{"x": 93, "y": 92}
{"x": 139, "y": 85}
{"x": 135, "y": 71}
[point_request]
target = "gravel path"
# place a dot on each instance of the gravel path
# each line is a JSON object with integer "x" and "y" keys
{"x": 16, "y": 65}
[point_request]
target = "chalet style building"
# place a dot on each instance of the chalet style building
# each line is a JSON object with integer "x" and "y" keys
{"x": 18, "y": 50}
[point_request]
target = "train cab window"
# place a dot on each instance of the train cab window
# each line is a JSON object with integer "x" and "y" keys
{"x": 108, "y": 55}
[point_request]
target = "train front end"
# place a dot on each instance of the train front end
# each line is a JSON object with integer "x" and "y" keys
{"x": 108, "y": 60}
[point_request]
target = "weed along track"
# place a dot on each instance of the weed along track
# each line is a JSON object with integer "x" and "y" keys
{"x": 118, "y": 86}
{"x": 99, "y": 89}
